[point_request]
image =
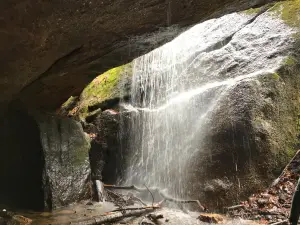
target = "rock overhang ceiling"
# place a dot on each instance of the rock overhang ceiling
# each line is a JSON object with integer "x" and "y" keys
{"x": 52, "y": 49}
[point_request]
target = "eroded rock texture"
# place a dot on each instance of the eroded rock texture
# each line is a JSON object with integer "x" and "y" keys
{"x": 66, "y": 173}
{"x": 252, "y": 130}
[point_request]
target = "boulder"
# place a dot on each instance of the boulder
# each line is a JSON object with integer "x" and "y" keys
{"x": 251, "y": 132}
{"x": 108, "y": 147}
{"x": 66, "y": 176}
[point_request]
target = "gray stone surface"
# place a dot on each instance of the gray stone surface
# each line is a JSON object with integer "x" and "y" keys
{"x": 67, "y": 169}
{"x": 251, "y": 131}
{"x": 109, "y": 146}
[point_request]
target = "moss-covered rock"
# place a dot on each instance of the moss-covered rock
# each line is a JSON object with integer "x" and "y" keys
{"x": 252, "y": 11}
{"x": 106, "y": 86}
{"x": 289, "y": 12}
{"x": 68, "y": 105}
{"x": 103, "y": 92}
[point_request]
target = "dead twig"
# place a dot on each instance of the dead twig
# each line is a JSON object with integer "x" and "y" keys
{"x": 151, "y": 194}
{"x": 137, "y": 208}
{"x": 285, "y": 169}
{"x": 284, "y": 222}
{"x": 234, "y": 207}
{"x": 139, "y": 200}
{"x": 167, "y": 198}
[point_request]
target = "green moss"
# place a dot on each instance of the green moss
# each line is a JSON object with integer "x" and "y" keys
{"x": 289, "y": 12}
{"x": 290, "y": 61}
{"x": 275, "y": 76}
{"x": 293, "y": 146}
{"x": 83, "y": 110}
{"x": 252, "y": 11}
{"x": 69, "y": 102}
{"x": 291, "y": 151}
{"x": 105, "y": 86}
{"x": 269, "y": 79}
{"x": 80, "y": 151}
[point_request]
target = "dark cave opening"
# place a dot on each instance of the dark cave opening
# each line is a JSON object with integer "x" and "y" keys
{"x": 21, "y": 160}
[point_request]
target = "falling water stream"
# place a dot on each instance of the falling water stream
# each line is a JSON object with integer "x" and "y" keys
{"x": 175, "y": 90}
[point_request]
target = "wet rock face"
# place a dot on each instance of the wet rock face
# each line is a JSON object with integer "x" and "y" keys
{"x": 53, "y": 49}
{"x": 253, "y": 130}
{"x": 67, "y": 169}
{"x": 108, "y": 146}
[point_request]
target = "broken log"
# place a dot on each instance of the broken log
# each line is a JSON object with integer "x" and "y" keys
{"x": 100, "y": 191}
{"x": 164, "y": 196}
{"x": 111, "y": 216}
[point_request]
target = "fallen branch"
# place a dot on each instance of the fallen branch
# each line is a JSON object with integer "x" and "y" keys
{"x": 262, "y": 212}
{"x": 138, "y": 208}
{"x": 285, "y": 169}
{"x": 284, "y": 222}
{"x": 235, "y": 207}
{"x": 116, "y": 199}
{"x": 164, "y": 196}
{"x": 139, "y": 200}
{"x": 150, "y": 193}
{"x": 132, "y": 187}
{"x": 111, "y": 216}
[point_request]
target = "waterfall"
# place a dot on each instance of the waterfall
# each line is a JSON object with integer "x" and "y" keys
{"x": 175, "y": 91}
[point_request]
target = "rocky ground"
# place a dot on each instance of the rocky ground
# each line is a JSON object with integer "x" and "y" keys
{"x": 82, "y": 212}
{"x": 272, "y": 205}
